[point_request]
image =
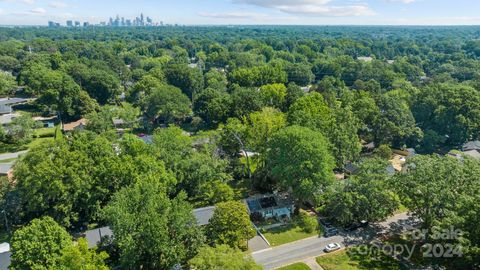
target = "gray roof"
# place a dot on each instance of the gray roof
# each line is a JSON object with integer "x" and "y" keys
{"x": 4, "y": 260}
{"x": 94, "y": 237}
{"x": 5, "y": 167}
{"x": 203, "y": 215}
{"x": 473, "y": 145}
{"x": 472, "y": 153}
{"x": 11, "y": 101}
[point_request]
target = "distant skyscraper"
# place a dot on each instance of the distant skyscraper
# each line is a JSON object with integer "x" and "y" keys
{"x": 86, "y": 24}
{"x": 69, "y": 23}
{"x": 77, "y": 24}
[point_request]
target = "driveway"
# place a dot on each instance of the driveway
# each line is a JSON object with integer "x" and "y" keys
{"x": 312, "y": 247}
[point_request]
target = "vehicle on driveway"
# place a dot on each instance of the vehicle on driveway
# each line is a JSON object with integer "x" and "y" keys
{"x": 332, "y": 247}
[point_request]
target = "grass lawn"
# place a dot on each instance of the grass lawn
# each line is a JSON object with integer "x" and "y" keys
{"x": 348, "y": 260}
{"x": 295, "y": 266}
{"x": 44, "y": 132}
{"x": 286, "y": 234}
{"x": 38, "y": 141}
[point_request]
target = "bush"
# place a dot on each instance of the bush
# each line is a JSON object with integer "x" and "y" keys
{"x": 308, "y": 223}
{"x": 384, "y": 151}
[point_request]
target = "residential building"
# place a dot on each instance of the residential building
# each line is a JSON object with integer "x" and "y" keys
{"x": 6, "y": 104}
{"x": 277, "y": 205}
{"x": 75, "y": 126}
{"x": 4, "y": 256}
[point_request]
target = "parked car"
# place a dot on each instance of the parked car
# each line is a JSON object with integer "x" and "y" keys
{"x": 332, "y": 247}
{"x": 330, "y": 231}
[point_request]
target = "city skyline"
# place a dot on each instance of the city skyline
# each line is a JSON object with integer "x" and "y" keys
{"x": 217, "y": 12}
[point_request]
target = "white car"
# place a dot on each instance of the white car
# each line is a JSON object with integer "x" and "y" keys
{"x": 332, "y": 247}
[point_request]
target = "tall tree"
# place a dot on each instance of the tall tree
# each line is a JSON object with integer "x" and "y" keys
{"x": 151, "y": 230}
{"x": 39, "y": 245}
{"x": 230, "y": 225}
{"x": 299, "y": 158}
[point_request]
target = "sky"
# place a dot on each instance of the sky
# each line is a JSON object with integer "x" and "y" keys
{"x": 221, "y": 12}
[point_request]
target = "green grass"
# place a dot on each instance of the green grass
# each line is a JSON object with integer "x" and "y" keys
{"x": 286, "y": 234}
{"x": 38, "y": 141}
{"x": 44, "y": 132}
{"x": 295, "y": 266}
{"x": 351, "y": 260}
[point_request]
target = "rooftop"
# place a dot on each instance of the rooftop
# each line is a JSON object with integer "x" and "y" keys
{"x": 72, "y": 125}
{"x": 94, "y": 237}
{"x": 203, "y": 215}
{"x": 472, "y": 145}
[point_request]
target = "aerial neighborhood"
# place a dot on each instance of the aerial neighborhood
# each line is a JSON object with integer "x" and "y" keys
{"x": 254, "y": 147}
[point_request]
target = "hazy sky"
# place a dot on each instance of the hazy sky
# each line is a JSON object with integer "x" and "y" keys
{"x": 398, "y": 12}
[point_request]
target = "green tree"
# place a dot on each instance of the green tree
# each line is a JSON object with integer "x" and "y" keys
{"x": 230, "y": 225}
{"x": 246, "y": 101}
{"x": 364, "y": 196}
{"x": 7, "y": 83}
{"x": 262, "y": 125}
{"x": 299, "y": 158}
{"x": 189, "y": 80}
{"x": 274, "y": 95}
{"x": 39, "y": 245}
{"x": 20, "y": 130}
{"x": 300, "y": 73}
{"x": 167, "y": 104}
{"x": 213, "y": 106}
{"x": 222, "y": 257}
{"x": 151, "y": 230}
{"x": 79, "y": 256}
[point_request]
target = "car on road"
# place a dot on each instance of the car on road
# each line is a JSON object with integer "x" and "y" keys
{"x": 332, "y": 247}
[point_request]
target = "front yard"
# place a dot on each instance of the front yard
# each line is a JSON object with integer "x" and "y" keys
{"x": 352, "y": 259}
{"x": 289, "y": 233}
{"x": 295, "y": 266}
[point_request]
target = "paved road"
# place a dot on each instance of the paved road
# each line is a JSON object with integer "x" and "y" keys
{"x": 11, "y": 155}
{"x": 311, "y": 247}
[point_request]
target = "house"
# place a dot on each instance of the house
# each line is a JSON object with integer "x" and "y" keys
{"x": 6, "y": 119}
{"x": 48, "y": 122}
{"x": 74, "y": 126}
{"x": 5, "y": 168}
{"x": 94, "y": 237}
{"x": 365, "y": 59}
{"x": 148, "y": 139}
{"x": 247, "y": 153}
{"x": 306, "y": 89}
{"x": 6, "y": 104}
{"x": 351, "y": 168}
{"x": 277, "y": 205}
{"x": 4, "y": 256}
{"x": 472, "y": 145}
{"x": 203, "y": 215}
